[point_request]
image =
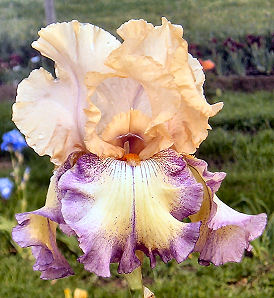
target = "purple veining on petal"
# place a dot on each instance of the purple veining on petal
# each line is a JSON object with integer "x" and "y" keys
{"x": 185, "y": 242}
{"x": 129, "y": 260}
{"x": 191, "y": 192}
{"x": 79, "y": 187}
{"x": 68, "y": 164}
{"x": 189, "y": 202}
{"x": 49, "y": 260}
{"x": 99, "y": 248}
{"x": 180, "y": 247}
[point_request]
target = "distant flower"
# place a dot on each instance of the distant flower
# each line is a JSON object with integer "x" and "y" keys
{"x": 207, "y": 64}
{"x": 78, "y": 293}
{"x": 15, "y": 59}
{"x": 13, "y": 140}
{"x": 233, "y": 45}
{"x": 4, "y": 64}
{"x": 16, "y": 68}
{"x": 6, "y": 187}
{"x": 194, "y": 50}
{"x": 253, "y": 39}
{"x": 35, "y": 59}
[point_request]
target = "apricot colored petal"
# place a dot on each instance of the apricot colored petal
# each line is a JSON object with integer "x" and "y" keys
{"x": 158, "y": 58}
{"x": 158, "y": 140}
{"x": 50, "y": 112}
{"x": 76, "y": 48}
{"x": 44, "y": 116}
{"x": 197, "y": 70}
{"x": 189, "y": 126}
{"x": 135, "y": 59}
{"x": 101, "y": 148}
{"x": 135, "y": 123}
{"x": 132, "y": 121}
{"x": 143, "y": 39}
{"x": 117, "y": 95}
{"x": 124, "y": 108}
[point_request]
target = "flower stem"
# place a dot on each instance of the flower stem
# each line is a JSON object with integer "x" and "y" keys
{"x": 135, "y": 283}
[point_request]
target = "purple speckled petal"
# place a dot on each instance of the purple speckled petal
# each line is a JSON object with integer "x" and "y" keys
{"x": 175, "y": 168}
{"x": 225, "y": 233}
{"x": 39, "y": 233}
{"x": 116, "y": 209}
{"x": 68, "y": 164}
{"x": 229, "y": 234}
{"x": 37, "y": 229}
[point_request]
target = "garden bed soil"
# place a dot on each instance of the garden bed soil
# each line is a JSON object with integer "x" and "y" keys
{"x": 241, "y": 83}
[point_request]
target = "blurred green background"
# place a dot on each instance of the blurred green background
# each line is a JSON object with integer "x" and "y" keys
{"x": 241, "y": 142}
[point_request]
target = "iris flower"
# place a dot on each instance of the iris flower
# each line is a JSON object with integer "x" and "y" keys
{"x": 120, "y": 122}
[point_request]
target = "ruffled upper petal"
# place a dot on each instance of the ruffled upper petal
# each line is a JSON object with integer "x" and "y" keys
{"x": 149, "y": 68}
{"x": 158, "y": 58}
{"x": 143, "y": 39}
{"x": 225, "y": 233}
{"x": 50, "y": 112}
{"x": 135, "y": 59}
{"x": 118, "y": 100}
{"x": 197, "y": 71}
{"x": 125, "y": 110}
{"x": 116, "y": 209}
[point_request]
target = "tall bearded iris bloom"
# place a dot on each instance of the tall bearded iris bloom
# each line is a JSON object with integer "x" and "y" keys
{"x": 120, "y": 122}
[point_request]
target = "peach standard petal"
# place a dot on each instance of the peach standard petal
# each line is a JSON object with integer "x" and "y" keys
{"x": 98, "y": 78}
{"x": 158, "y": 59}
{"x": 50, "y": 112}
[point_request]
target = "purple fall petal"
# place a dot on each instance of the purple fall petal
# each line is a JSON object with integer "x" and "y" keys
{"x": 116, "y": 209}
{"x": 38, "y": 232}
{"x": 213, "y": 180}
{"x": 229, "y": 234}
{"x": 175, "y": 168}
{"x": 225, "y": 233}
